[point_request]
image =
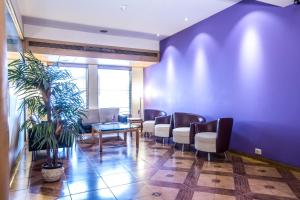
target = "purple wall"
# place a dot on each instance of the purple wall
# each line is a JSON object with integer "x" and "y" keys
{"x": 243, "y": 62}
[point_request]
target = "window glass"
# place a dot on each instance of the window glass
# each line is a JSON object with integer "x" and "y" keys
{"x": 79, "y": 75}
{"x": 114, "y": 89}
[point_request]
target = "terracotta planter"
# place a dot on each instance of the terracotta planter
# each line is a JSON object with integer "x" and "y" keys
{"x": 52, "y": 174}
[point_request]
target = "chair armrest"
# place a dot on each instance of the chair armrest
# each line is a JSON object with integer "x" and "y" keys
{"x": 205, "y": 127}
{"x": 163, "y": 120}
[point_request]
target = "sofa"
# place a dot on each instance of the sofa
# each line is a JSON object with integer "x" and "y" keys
{"x": 100, "y": 115}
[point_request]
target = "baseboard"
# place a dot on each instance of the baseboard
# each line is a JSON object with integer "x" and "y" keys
{"x": 276, "y": 163}
{"x": 16, "y": 164}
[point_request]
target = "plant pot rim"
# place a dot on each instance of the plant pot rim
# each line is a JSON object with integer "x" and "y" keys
{"x": 59, "y": 165}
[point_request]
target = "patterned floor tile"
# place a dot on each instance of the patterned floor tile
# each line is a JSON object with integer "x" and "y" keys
{"x": 262, "y": 171}
{"x": 103, "y": 194}
{"x": 216, "y": 181}
{"x": 144, "y": 191}
{"x": 296, "y": 174}
{"x": 76, "y": 187}
{"x": 217, "y": 167}
{"x": 271, "y": 188}
{"x": 119, "y": 179}
{"x": 169, "y": 176}
{"x": 154, "y": 171}
{"x": 184, "y": 154}
{"x": 179, "y": 163}
{"x": 211, "y": 196}
{"x": 252, "y": 161}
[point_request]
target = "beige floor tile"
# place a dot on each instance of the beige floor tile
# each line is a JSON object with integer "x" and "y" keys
{"x": 253, "y": 161}
{"x": 216, "y": 181}
{"x": 144, "y": 191}
{"x": 19, "y": 194}
{"x": 271, "y": 188}
{"x": 183, "y": 154}
{"x": 217, "y": 167}
{"x": 296, "y": 174}
{"x": 211, "y": 196}
{"x": 169, "y": 176}
{"x": 179, "y": 163}
{"x": 262, "y": 171}
{"x": 19, "y": 184}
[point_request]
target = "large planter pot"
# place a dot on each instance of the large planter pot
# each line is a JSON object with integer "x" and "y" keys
{"x": 52, "y": 174}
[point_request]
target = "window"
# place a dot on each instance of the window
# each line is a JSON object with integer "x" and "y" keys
{"x": 79, "y": 75}
{"x": 114, "y": 89}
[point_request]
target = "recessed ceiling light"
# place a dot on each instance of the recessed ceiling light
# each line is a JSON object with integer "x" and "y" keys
{"x": 157, "y": 35}
{"x": 103, "y": 31}
{"x": 123, "y": 7}
{"x": 186, "y": 19}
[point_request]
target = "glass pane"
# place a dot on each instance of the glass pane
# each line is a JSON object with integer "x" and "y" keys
{"x": 114, "y": 89}
{"x": 79, "y": 76}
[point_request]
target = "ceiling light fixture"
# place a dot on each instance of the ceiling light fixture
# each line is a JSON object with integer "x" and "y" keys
{"x": 157, "y": 35}
{"x": 123, "y": 7}
{"x": 186, "y": 19}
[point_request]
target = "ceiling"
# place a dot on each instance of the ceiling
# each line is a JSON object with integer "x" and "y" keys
{"x": 156, "y": 18}
{"x": 282, "y": 3}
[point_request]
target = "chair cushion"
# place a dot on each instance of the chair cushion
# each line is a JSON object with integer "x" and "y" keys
{"x": 181, "y": 135}
{"x": 162, "y": 130}
{"x": 148, "y": 126}
{"x": 206, "y": 141}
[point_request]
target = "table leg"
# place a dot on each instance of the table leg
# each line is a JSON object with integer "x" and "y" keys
{"x": 125, "y": 138}
{"x": 100, "y": 141}
{"x": 137, "y": 138}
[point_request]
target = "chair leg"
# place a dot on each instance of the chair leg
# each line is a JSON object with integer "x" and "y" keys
{"x": 196, "y": 154}
{"x": 208, "y": 157}
{"x": 182, "y": 147}
{"x": 163, "y": 141}
{"x": 226, "y": 156}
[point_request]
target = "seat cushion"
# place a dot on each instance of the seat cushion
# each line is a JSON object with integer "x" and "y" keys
{"x": 206, "y": 141}
{"x": 148, "y": 126}
{"x": 162, "y": 130}
{"x": 181, "y": 135}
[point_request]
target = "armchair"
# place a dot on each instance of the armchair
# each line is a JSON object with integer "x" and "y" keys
{"x": 163, "y": 127}
{"x": 149, "y": 119}
{"x": 184, "y": 132}
{"x": 213, "y": 137}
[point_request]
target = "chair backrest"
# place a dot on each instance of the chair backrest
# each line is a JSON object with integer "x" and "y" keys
{"x": 224, "y": 129}
{"x": 150, "y": 114}
{"x": 185, "y": 119}
{"x": 92, "y": 116}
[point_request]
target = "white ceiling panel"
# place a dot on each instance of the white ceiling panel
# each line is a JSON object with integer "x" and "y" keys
{"x": 158, "y": 17}
{"x": 282, "y": 3}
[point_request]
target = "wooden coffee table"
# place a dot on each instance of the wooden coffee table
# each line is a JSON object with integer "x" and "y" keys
{"x": 109, "y": 128}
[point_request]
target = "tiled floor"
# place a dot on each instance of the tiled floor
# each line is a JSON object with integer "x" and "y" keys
{"x": 155, "y": 172}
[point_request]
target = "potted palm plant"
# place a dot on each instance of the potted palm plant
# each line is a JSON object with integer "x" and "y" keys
{"x": 49, "y": 94}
